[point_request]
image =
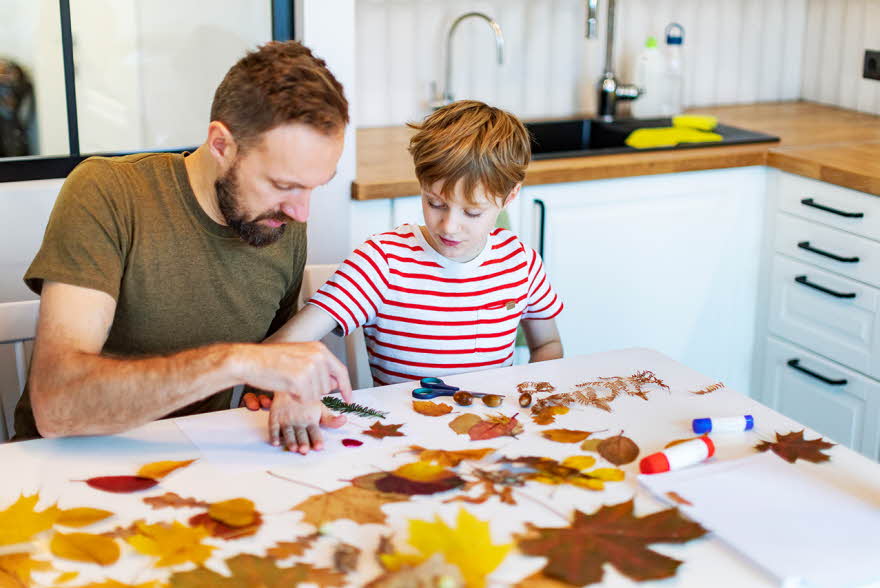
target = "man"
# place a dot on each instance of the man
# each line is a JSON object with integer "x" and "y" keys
{"x": 160, "y": 274}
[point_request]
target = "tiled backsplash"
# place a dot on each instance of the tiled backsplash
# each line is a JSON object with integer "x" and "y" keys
{"x": 737, "y": 51}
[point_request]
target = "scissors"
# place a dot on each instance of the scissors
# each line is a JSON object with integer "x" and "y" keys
{"x": 434, "y": 387}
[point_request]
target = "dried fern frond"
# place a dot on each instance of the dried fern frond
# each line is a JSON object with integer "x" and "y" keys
{"x": 709, "y": 389}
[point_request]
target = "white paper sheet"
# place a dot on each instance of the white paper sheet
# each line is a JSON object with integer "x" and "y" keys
{"x": 796, "y": 525}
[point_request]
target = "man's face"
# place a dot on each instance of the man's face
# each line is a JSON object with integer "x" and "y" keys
{"x": 455, "y": 228}
{"x": 271, "y": 183}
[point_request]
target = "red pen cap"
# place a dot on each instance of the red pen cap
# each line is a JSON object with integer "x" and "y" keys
{"x": 657, "y": 463}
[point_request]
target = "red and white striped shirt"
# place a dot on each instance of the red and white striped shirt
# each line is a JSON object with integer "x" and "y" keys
{"x": 426, "y": 315}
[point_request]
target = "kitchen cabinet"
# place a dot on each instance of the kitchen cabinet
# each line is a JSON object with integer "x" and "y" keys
{"x": 820, "y": 343}
{"x": 669, "y": 262}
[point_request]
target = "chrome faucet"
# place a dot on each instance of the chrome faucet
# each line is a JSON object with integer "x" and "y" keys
{"x": 610, "y": 89}
{"x": 447, "y": 95}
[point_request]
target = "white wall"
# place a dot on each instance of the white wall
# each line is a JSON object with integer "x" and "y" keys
{"x": 737, "y": 51}
{"x": 837, "y": 34}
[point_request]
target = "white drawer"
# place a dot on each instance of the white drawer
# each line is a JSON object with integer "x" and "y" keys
{"x": 846, "y": 410}
{"x": 844, "y": 328}
{"x": 793, "y": 190}
{"x": 832, "y": 249}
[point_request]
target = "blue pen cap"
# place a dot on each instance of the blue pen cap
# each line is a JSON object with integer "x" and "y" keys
{"x": 674, "y": 34}
{"x": 702, "y": 426}
{"x": 750, "y": 422}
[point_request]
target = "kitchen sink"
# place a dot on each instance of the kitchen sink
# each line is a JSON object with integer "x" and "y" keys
{"x": 586, "y": 136}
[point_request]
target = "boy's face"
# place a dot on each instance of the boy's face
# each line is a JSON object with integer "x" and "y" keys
{"x": 455, "y": 228}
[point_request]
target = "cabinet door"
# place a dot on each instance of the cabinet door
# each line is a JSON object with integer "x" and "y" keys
{"x": 833, "y": 400}
{"x": 668, "y": 262}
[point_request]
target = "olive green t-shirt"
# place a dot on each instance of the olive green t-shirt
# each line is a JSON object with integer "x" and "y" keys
{"x": 131, "y": 227}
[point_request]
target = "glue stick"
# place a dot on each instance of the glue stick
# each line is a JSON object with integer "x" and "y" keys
{"x": 724, "y": 425}
{"x": 678, "y": 456}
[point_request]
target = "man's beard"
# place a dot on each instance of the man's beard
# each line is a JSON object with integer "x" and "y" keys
{"x": 250, "y": 231}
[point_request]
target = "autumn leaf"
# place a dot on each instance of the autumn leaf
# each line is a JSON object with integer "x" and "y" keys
{"x": 172, "y": 545}
{"x": 431, "y": 572}
{"x": 576, "y": 554}
{"x": 572, "y": 470}
{"x": 285, "y": 549}
{"x": 173, "y": 500}
{"x": 579, "y": 462}
{"x": 251, "y": 570}
{"x": 495, "y": 426}
{"x": 565, "y": 435}
{"x": 17, "y": 568}
{"x": 121, "y": 484}
{"x": 545, "y": 415}
{"x": 428, "y": 408}
{"x": 85, "y": 547}
{"x": 65, "y": 577}
{"x": 129, "y": 530}
{"x": 591, "y": 444}
{"x": 115, "y": 584}
{"x": 708, "y": 389}
{"x": 619, "y": 450}
{"x": 414, "y": 478}
{"x": 345, "y": 557}
{"x": 463, "y": 423}
{"x": 380, "y": 431}
{"x": 450, "y": 458}
{"x": 237, "y": 512}
{"x": 792, "y": 446}
{"x": 361, "y": 505}
{"x": 675, "y": 442}
{"x": 20, "y": 521}
{"x": 678, "y": 498}
{"x": 532, "y": 387}
{"x": 223, "y": 531}
{"x": 82, "y": 517}
{"x": 159, "y": 469}
{"x": 468, "y": 546}
{"x": 539, "y": 580}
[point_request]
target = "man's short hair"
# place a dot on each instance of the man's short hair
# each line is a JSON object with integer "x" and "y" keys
{"x": 472, "y": 142}
{"x": 279, "y": 83}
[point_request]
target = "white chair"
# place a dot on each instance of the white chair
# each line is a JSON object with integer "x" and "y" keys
{"x": 352, "y": 350}
{"x": 18, "y": 327}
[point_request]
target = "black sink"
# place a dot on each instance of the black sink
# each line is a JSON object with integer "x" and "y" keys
{"x": 579, "y": 137}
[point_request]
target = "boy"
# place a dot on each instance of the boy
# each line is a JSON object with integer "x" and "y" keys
{"x": 446, "y": 297}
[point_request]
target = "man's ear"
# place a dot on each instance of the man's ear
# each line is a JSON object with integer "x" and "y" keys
{"x": 221, "y": 145}
{"x": 511, "y": 196}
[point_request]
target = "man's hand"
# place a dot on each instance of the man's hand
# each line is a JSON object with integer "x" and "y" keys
{"x": 295, "y": 423}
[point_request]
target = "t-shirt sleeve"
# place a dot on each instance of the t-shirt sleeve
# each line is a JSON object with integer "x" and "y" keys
{"x": 542, "y": 303}
{"x": 87, "y": 237}
{"x": 356, "y": 292}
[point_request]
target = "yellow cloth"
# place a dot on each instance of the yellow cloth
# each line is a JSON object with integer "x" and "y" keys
{"x": 668, "y": 137}
{"x": 701, "y": 122}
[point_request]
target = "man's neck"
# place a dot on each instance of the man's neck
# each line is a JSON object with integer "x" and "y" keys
{"x": 203, "y": 172}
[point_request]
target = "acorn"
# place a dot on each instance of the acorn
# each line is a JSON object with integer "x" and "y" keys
{"x": 492, "y": 400}
{"x": 463, "y": 398}
{"x": 525, "y": 400}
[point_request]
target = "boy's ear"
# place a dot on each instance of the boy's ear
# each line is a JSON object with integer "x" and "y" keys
{"x": 511, "y": 196}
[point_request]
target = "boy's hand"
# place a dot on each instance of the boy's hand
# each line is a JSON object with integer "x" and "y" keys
{"x": 256, "y": 400}
{"x": 296, "y": 424}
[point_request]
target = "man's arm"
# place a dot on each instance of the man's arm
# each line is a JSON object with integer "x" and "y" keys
{"x": 543, "y": 339}
{"x": 77, "y": 391}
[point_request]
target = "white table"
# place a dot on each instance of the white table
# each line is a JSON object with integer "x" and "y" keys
{"x": 48, "y": 466}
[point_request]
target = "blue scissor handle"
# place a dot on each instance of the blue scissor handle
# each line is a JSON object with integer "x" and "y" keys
{"x": 428, "y": 393}
{"x": 437, "y": 384}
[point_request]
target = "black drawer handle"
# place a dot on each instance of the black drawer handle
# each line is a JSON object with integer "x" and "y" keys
{"x": 806, "y": 245}
{"x": 803, "y": 280}
{"x": 809, "y": 202}
{"x": 795, "y": 363}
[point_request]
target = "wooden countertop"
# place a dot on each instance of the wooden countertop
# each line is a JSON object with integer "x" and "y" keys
{"x": 821, "y": 142}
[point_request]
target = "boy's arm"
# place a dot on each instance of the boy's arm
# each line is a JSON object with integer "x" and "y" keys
{"x": 543, "y": 339}
{"x": 310, "y": 323}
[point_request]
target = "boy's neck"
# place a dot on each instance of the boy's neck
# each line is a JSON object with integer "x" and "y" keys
{"x": 426, "y": 235}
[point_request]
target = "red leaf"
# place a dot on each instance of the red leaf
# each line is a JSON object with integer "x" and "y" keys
{"x": 352, "y": 442}
{"x": 495, "y": 427}
{"x": 121, "y": 484}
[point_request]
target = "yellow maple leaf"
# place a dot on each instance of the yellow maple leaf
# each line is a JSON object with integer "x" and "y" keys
{"x": 19, "y": 522}
{"x": 65, "y": 577}
{"x": 172, "y": 544}
{"x": 18, "y": 567}
{"x": 82, "y": 517}
{"x": 85, "y": 547}
{"x": 468, "y": 546}
{"x": 159, "y": 469}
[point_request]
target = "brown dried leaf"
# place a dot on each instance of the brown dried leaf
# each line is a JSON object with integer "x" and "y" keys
{"x": 380, "y": 431}
{"x": 433, "y": 572}
{"x": 678, "y": 498}
{"x": 495, "y": 426}
{"x": 357, "y": 503}
{"x": 285, "y": 549}
{"x": 566, "y": 435}
{"x": 680, "y": 441}
{"x": 463, "y": 423}
{"x": 619, "y": 450}
{"x": 345, "y": 558}
{"x": 547, "y": 415}
{"x": 792, "y": 446}
{"x": 576, "y": 554}
{"x": 709, "y": 389}
{"x": 418, "y": 478}
{"x": 591, "y": 444}
{"x": 428, "y": 408}
{"x": 223, "y": 531}
{"x": 251, "y": 570}
{"x": 539, "y": 580}
{"x": 128, "y": 531}
{"x": 450, "y": 458}
{"x": 173, "y": 500}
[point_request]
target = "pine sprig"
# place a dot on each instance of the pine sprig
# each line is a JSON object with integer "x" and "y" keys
{"x": 338, "y": 405}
